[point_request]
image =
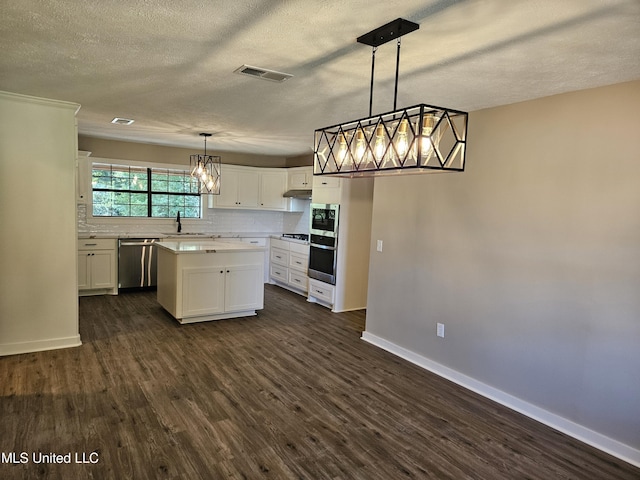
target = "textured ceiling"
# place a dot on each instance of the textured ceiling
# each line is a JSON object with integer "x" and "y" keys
{"x": 169, "y": 65}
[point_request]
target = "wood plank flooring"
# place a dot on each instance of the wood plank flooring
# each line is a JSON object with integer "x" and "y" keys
{"x": 290, "y": 394}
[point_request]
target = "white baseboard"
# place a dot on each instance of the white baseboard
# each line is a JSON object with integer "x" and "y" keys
{"x": 39, "y": 346}
{"x": 590, "y": 437}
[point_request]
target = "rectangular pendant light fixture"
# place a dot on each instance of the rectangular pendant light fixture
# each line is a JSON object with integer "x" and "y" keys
{"x": 418, "y": 139}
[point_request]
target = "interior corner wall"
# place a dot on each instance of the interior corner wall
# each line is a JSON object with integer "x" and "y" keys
{"x": 305, "y": 160}
{"x": 38, "y": 258}
{"x": 530, "y": 258}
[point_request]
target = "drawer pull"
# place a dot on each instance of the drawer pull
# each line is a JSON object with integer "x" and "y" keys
{"x": 90, "y": 244}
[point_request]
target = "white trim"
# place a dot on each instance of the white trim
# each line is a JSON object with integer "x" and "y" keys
{"x": 39, "y": 345}
{"x": 39, "y": 100}
{"x": 590, "y": 437}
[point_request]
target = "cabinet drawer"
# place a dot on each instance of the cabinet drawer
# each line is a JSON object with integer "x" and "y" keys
{"x": 281, "y": 257}
{"x": 326, "y": 182}
{"x": 281, "y": 244}
{"x": 302, "y": 249}
{"x": 299, "y": 262}
{"x": 298, "y": 280}
{"x": 96, "y": 244}
{"x": 322, "y": 291}
{"x": 280, "y": 273}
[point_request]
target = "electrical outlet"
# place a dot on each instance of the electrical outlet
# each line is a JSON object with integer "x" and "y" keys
{"x": 440, "y": 329}
{"x": 379, "y": 245}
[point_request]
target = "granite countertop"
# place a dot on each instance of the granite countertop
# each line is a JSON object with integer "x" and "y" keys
{"x": 214, "y": 246}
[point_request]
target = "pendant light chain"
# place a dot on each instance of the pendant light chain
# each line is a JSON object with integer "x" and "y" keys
{"x": 395, "y": 92}
{"x": 373, "y": 65}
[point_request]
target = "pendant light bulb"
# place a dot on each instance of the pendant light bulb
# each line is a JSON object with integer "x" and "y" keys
{"x": 402, "y": 145}
{"x": 360, "y": 148}
{"x": 380, "y": 146}
{"x": 342, "y": 152}
{"x": 427, "y": 130}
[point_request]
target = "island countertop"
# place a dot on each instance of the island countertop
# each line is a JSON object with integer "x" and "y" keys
{"x": 213, "y": 246}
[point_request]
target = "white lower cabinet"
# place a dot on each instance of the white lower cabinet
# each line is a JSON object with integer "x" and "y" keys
{"x": 320, "y": 292}
{"x": 202, "y": 291}
{"x": 243, "y": 288}
{"x": 298, "y": 280}
{"x": 210, "y": 286}
{"x": 289, "y": 265}
{"x": 97, "y": 266}
{"x": 212, "y": 290}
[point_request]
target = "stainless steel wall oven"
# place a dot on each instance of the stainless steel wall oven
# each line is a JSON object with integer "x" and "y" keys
{"x": 323, "y": 248}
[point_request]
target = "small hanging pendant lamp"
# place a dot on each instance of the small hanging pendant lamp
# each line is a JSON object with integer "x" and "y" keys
{"x": 206, "y": 168}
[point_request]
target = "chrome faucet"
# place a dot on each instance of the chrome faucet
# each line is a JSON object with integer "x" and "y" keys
{"x": 179, "y": 224}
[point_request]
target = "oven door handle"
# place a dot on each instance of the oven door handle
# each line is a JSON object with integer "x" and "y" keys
{"x": 323, "y": 247}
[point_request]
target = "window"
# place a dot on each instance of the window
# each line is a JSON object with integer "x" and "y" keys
{"x": 131, "y": 191}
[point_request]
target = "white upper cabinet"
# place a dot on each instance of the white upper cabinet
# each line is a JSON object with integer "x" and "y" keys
{"x": 300, "y": 178}
{"x": 273, "y": 184}
{"x": 238, "y": 188}
{"x": 253, "y": 188}
{"x": 326, "y": 189}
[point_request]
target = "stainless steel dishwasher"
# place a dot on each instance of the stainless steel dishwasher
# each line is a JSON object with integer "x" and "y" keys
{"x": 137, "y": 263}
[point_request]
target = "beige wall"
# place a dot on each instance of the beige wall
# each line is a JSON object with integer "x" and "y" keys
{"x": 38, "y": 273}
{"x": 300, "y": 160}
{"x": 144, "y": 152}
{"x": 531, "y": 258}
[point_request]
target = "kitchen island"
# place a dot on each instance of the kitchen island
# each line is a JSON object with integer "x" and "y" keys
{"x": 200, "y": 281}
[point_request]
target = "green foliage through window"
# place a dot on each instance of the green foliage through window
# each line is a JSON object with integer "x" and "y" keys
{"x": 129, "y": 191}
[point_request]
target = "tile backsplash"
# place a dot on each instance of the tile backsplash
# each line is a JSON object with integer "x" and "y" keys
{"x": 215, "y": 221}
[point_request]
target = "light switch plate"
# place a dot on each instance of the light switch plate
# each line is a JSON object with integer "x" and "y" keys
{"x": 440, "y": 329}
{"x": 379, "y": 245}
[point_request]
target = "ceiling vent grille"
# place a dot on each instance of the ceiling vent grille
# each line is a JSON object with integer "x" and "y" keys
{"x": 263, "y": 73}
{"x": 122, "y": 121}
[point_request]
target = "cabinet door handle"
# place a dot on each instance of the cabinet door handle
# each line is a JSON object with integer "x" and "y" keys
{"x": 221, "y": 271}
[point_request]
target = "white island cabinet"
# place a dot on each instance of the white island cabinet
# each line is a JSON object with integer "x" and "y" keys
{"x": 212, "y": 280}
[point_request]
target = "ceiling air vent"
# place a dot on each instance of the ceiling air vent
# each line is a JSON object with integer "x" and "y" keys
{"x": 122, "y": 121}
{"x": 263, "y": 73}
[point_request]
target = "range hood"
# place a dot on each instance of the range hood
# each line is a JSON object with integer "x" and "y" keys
{"x": 298, "y": 193}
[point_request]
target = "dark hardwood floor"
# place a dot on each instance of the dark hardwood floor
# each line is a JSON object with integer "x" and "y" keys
{"x": 292, "y": 393}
